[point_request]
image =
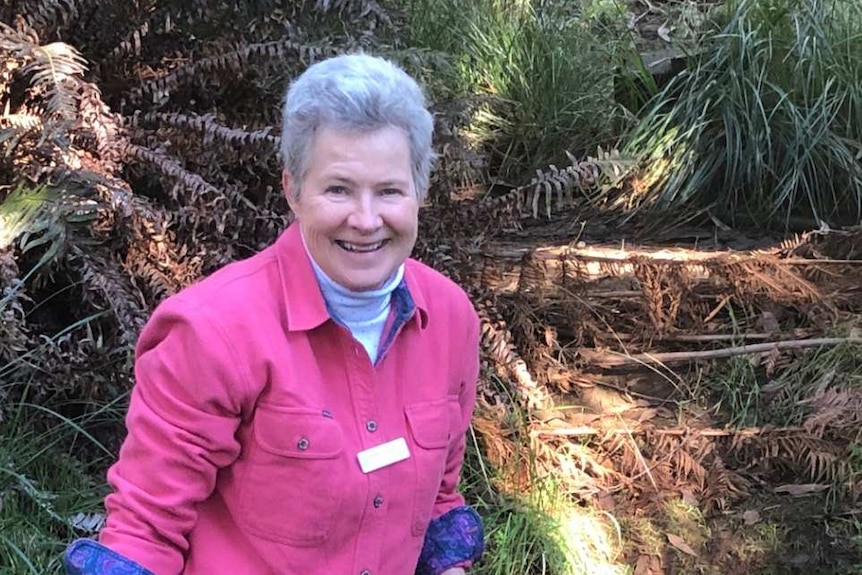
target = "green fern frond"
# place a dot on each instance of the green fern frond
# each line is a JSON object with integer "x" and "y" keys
{"x": 43, "y": 216}
{"x": 20, "y": 211}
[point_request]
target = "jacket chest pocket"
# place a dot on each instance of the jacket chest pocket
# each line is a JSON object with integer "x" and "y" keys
{"x": 430, "y": 424}
{"x": 290, "y": 487}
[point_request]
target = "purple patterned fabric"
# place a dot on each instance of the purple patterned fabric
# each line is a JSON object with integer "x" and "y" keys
{"x": 89, "y": 557}
{"x": 453, "y": 539}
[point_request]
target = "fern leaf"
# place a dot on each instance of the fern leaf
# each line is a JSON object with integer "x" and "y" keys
{"x": 131, "y": 44}
{"x": 361, "y": 7}
{"x": 20, "y": 211}
{"x": 54, "y": 70}
{"x": 235, "y": 61}
{"x": 207, "y": 125}
{"x": 104, "y": 126}
{"x": 193, "y": 182}
{"x": 48, "y": 14}
{"x": 108, "y": 285}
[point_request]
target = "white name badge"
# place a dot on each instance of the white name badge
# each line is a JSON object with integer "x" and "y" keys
{"x": 382, "y": 455}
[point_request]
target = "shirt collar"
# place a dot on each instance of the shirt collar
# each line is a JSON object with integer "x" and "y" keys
{"x": 306, "y": 308}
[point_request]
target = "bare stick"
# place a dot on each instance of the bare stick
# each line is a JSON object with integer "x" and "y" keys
{"x": 615, "y": 359}
{"x": 586, "y": 430}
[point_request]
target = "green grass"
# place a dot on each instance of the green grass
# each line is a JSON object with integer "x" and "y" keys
{"x": 48, "y": 470}
{"x": 750, "y": 397}
{"x": 767, "y": 121}
{"x": 540, "y": 74}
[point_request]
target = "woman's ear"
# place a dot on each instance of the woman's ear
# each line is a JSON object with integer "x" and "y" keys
{"x": 287, "y": 188}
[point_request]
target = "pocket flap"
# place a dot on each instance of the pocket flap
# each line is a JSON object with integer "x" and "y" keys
{"x": 429, "y": 423}
{"x": 299, "y": 432}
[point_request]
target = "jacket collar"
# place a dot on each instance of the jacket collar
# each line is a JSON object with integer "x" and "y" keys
{"x": 304, "y": 303}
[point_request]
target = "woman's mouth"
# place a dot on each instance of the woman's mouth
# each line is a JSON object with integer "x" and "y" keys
{"x": 360, "y": 248}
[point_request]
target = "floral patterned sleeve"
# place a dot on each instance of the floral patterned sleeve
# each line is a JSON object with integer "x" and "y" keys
{"x": 89, "y": 557}
{"x": 455, "y": 539}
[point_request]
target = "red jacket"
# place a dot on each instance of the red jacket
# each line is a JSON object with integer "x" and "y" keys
{"x": 250, "y": 407}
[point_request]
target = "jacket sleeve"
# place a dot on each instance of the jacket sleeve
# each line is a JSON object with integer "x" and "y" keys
{"x": 455, "y": 535}
{"x": 182, "y": 420}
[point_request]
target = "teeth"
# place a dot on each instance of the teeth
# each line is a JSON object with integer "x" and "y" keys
{"x": 360, "y": 248}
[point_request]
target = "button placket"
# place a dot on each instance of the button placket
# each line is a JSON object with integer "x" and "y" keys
{"x": 371, "y": 426}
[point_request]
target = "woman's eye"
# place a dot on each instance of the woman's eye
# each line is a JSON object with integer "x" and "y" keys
{"x": 338, "y": 190}
{"x": 391, "y": 192}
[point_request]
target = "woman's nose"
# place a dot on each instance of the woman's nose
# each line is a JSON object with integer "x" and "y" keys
{"x": 365, "y": 215}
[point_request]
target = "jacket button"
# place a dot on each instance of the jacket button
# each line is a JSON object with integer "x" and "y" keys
{"x": 302, "y": 444}
{"x": 365, "y": 572}
{"x": 371, "y": 425}
{"x": 378, "y": 502}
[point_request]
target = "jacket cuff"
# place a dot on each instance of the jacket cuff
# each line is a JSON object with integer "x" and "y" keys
{"x": 456, "y": 538}
{"x": 89, "y": 557}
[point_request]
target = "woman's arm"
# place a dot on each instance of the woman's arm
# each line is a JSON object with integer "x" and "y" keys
{"x": 455, "y": 537}
{"x": 182, "y": 421}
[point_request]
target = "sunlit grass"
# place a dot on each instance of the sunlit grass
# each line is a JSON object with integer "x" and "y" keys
{"x": 531, "y": 524}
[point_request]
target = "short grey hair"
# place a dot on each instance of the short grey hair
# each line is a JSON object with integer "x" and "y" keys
{"x": 355, "y": 93}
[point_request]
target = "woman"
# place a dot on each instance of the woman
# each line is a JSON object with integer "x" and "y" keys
{"x": 304, "y": 411}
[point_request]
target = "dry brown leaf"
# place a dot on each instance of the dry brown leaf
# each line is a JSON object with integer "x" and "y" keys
{"x": 768, "y": 323}
{"x": 643, "y": 565}
{"x": 646, "y": 414}
{"x": 751, "y": 517}
{"x": 680, "y": 544}
{"x": 689, "y": 497}
{"x": 606, "y": 503}
{"x": 800, "y": 489}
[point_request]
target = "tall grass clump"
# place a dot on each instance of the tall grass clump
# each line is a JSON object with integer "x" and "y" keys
{"x": 767, "y": 121}
{"x": 539, "y": 72}
{"x": 51, "y": 486}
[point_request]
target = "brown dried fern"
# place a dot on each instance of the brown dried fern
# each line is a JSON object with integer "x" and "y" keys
{"x": 229, "y": 63}
{"x": 54, "y": 71}
{"x": 214, "y": 131}
{"x": 44, "y": 15}
{"x": 107, "y": 285}
{"x": 15, "y": 339}
{"x": 362, "y": 8}
{"x": 170, "y": 167}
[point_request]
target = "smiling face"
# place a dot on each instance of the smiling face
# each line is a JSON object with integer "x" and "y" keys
{"x": 357, "y": 208}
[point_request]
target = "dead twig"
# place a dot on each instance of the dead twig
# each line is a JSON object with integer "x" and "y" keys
{"x": 586, "y": 430}
{"x": 607, "y": 359}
